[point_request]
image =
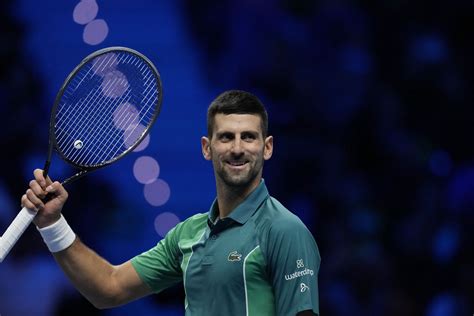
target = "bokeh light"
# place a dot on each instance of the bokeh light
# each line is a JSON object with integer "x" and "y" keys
{"x": 157, "y": 192}
{"x": 146, "y": 169}
{"x": 125, "y": 115}
{"x": 115, "y": 84}
{"x": 428, "y": 48}
{"x": 446, "y": 304}
{"x": 95, "y": 32}
{"x": 164, "y": 222}
{"x": 132, "y": 134}
{"x": 143, "y": 144}
{"x": 460, "y": 190}
{"x": 85, "y": 11}
{"x": 445, "y": 243}
{"x": 104, "y": 64}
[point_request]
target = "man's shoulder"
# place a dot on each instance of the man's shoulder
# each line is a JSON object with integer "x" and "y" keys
{"x": 191, "y": 226}
{"x": 196, "y": 220}
{"x": 280, "y": 213}
{"x": 278, "y": 218}
{"x": 283, "y": 232}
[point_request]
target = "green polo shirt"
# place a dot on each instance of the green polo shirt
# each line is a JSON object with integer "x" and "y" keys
{"x": 260, "y": 260}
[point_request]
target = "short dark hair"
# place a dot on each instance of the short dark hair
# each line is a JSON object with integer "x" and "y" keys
{"x": 237, "y": 102}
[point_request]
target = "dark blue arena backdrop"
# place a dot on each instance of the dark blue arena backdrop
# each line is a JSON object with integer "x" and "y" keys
{"x": 371, "y": 106}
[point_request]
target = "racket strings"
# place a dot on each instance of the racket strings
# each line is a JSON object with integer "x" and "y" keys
{"x": 93, "y": 121}
{"x": 76, "y": 117}
{"x": 70, "y": 93}
{"x": 85, "y": 116}
{"x": 103, "y": 133}
{"x": 123, "y": 120}
{"x": 102, "y": 149}
{"x": 148, "y": 113}
{"x": 73, "y": 87}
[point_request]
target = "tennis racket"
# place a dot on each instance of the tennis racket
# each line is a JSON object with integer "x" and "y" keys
{"x": 104, "y": 109}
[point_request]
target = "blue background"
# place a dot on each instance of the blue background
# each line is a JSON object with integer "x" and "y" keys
{"x": 371, "y": 107}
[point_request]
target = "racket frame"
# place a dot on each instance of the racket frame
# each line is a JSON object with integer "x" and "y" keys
{"x": 52, "y": 136}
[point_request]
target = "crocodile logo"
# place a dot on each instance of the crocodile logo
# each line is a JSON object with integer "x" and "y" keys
{"x": 234, "y": 256}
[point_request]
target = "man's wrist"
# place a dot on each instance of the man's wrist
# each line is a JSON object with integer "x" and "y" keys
{"x": 57, "y": 236}
{"x": 46, "y": 221}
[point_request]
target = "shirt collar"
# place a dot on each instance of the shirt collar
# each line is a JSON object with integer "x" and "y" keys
{"x": 244, "y": 210}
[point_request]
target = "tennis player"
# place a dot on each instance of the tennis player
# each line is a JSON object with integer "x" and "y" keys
{"x": 248, "y": 255}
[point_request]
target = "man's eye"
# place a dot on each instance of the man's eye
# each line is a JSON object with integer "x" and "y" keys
{"x": 248, "y": 137}
{"x": 225, "y": 137}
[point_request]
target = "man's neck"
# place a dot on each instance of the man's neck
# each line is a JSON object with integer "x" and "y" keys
{"x": 228, "y": 198}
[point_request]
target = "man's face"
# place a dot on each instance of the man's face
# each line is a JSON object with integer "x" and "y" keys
{"x": 237, "y": 149}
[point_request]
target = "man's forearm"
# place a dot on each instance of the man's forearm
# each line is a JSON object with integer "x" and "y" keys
{"x": 91, "y": 274}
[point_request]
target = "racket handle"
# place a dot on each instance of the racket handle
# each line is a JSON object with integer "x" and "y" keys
{"x": 15, "y": 230}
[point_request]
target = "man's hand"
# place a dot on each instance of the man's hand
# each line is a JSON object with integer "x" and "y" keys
{"x": 49, "y": 209}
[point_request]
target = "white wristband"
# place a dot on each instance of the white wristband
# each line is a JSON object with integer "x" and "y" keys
{"x": 57, "y": 236}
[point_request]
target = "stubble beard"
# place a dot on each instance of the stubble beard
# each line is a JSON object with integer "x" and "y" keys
{"x": 240, "y": 180}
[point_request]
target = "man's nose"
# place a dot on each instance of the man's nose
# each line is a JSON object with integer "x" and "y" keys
{"x": 237, "y": 146}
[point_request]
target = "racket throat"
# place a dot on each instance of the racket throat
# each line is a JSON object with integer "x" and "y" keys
{"x": 78, "y": 175}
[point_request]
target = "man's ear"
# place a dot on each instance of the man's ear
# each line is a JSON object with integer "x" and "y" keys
{"x": 268, "y": 150}
{"x": 206, "y": 147}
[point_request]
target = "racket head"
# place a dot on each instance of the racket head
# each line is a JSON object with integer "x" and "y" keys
{"x": 105, "y": 108}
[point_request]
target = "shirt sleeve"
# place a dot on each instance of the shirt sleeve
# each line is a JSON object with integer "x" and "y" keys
{"x": 293, "y": 264}
{"x": 159, "y": 267}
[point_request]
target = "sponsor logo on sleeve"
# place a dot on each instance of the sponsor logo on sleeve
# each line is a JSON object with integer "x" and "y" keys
{"x": 301, "y": 271}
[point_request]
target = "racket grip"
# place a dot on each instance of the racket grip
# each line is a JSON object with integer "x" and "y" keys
{"x": 15, "y": 230}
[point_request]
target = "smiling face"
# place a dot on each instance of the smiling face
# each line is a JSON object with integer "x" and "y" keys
{"x": 237, "y": 149}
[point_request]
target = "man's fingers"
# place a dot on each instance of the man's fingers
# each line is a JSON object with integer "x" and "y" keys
{"x": 26, "y": 203}
{"x": 32, "y": 201}
{"x": 57, "y": 189}
{"x": 39, "y": 176}
{"x": 37, "y": 189}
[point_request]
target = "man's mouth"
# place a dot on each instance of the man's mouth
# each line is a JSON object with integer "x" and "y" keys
{"x": 236, "y": 164}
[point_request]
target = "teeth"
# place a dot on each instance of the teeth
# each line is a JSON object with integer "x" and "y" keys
{"x": 237, "y": 163}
